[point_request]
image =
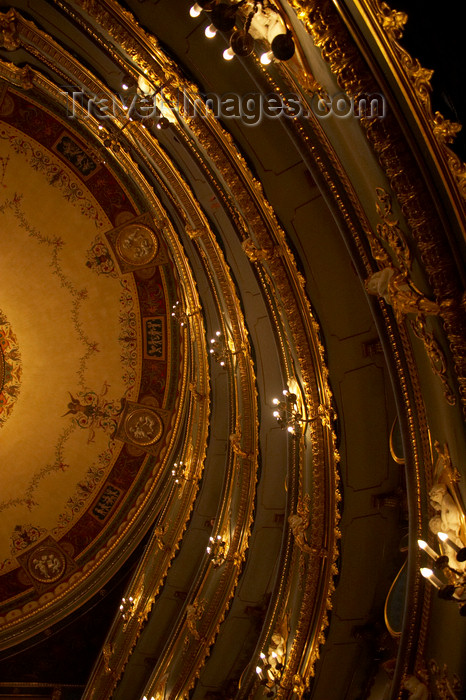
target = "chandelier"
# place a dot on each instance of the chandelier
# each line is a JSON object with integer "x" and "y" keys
{"x": 452, "y": 585}
{"x": 287, "y": 413}
{"x": 225, "y": 16}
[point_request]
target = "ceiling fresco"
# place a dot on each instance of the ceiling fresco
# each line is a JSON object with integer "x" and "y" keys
{"x": 232, "y": 355}
{"x": 82, "y": 391}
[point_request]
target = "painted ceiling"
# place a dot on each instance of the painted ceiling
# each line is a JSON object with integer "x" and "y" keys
{"x": 83, "y": 338}
{"x": 233, "y": 358}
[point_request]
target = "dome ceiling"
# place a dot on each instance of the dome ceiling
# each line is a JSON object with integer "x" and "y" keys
{"x": 90, "y": 364}
{"x": 238, "y": 339}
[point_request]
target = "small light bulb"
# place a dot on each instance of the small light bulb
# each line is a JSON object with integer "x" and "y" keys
{"x": 275, "y": 402}
{"x": 228, "y": 54}
{"x": 442, "y": 536}
{"x": 218, "y": 334}
{"x": 258, "y": 670}
{"x": 262, "y": 655}
{"x": 266, "y": 58}
{"x": 125, "y": 86}
{"x": 195, "y": 10}
{"x": 291, "y": 429}
{"x": 276, "y": 414}
{"x": 427, "y": 573}
{"x": 210, "y": 31}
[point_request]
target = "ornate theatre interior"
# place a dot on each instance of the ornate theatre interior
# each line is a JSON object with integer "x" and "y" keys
{"x": 232, "y": 353}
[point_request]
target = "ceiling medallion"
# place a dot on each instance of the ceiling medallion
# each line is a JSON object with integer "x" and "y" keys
{"x": 46, "y": 564}
{"x": 143, "y": 426}
{"x": 10, "y": 369}
{"x": 136, "y": 244}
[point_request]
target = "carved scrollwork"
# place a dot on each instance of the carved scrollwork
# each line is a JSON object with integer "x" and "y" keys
{"x": 435, "y": 354}
{"x": 9, "y": 31}
{"x": 448, "y": 687}
{"x": 389, "y": 231}
{"x": 194, "y": 612}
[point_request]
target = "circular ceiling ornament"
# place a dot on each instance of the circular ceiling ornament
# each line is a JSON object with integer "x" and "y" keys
{"x": 143, "y": 426}
{"x": 137, "y": 244}
{"x": 10, "y": 369}
{"x": 46, "y": 564}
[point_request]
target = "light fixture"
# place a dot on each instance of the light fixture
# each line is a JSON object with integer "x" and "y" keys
{"x": 241, "y": 43}
{"x": 224, "y": 15}
{"x": 453, "y": 587}
{"x": 218, "y": 350}
{"x": 283, "y": 47}
{"x": 210, "y": 31}
{"x": 200, "y": 5}
{"x": 178, "y": 473}
{"x": 223, "y": 19}
{"x": 266, "y": 58}
{"x": 127, "y": 608}
{"x": 195, "y": 10}
{"x": 162, "y": 123}
{"x": 287, "y": 413}
{"x": 217, "y": 549}
{"x": 269, "y": 671}
{"x": 179, "y": 314}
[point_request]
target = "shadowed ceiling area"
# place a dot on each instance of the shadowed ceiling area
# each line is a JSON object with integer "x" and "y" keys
{"x": 232, "y": 355}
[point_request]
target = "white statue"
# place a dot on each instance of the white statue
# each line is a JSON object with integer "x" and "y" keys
{"x": 417, "y": 689}
{"x": 442, "y": 502}
{"x": 436, "y": 525}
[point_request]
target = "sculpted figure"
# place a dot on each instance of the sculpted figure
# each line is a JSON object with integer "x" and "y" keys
{"x": 394, "y": 286}
{"x": 443, "y": 503}
{"x": 417, "y": 690}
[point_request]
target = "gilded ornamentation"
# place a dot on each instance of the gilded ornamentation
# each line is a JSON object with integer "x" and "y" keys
{"x": 285, "y": 278}
{"x": 136, "y": 244}
{"x": 447, "y": 687}
{"x": 26, "y": 77}
{"x": 417, "y": 689}
{"x": 330, "y": 34}
{"x": 299, "y": 522}
{"x": 392, "y": 21}
{"x": 46, "y": 564}
{"x": 9, "y": 29}
{"x": 398, "y": 291}
{"x": 435, "y": 354}
{"x": 444, "y": 129}
{"x": 298, "y": 685}
{"x": 194, "y": 232}
{"x": 446, "y": 499}
{"x": 236, "y": 440}
{"x": 107, "y": 653}
{"x": 10, "y": 369}
{"x": 256, "y": 254}
{"x": 194, "y": 612}
{"x": 197, "y": 395}
{"x": 143, "y": 426}
{"x": 389, "y": 232}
